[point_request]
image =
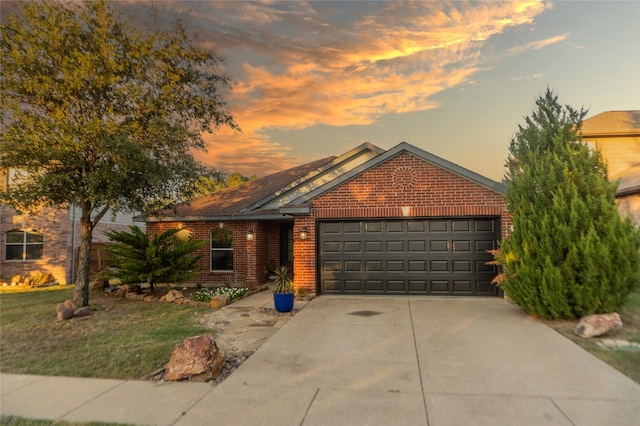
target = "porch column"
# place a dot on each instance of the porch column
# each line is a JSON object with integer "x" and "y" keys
{"x": 251, "y": 251}
{"x": 304, "y": 254}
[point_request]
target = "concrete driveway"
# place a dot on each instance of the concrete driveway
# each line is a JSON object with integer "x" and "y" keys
{"x": 419, "y": 361}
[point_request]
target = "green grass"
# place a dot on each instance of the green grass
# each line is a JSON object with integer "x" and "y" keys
{"x": 21, "y": 421}
{"x": 121, "y": 339}
{"x": 625, "y": 361}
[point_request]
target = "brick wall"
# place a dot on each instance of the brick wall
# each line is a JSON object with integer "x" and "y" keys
{"x": 403, "y": 186}
{"x": 56, "y": 229}
{"x": 250, "y": 258}
{"x": 58, "y": 233}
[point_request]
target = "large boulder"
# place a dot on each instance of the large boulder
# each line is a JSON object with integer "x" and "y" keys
{"x": 598, "y": 324}
{"x": 196, "y": 359}
{"x": 63, "y": 313}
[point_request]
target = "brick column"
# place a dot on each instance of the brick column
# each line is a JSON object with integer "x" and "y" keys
{"x": 304, "y": 254}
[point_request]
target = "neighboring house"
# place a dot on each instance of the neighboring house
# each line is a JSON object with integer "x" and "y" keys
{"x": 46, "y": 242}
{"x": 370, "y": 221}
{"x": 616, "y": 134}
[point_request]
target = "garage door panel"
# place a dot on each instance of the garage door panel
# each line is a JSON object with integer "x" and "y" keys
{"x": 460, "y": 226}
{"x": 352, "y": 266}
{"x": 395, "y": 265}
{"x": 439, "y": 266}
{"x": 485, "y": 225}
{"x": 352, "y": 247}
{"x": 395, "y": 246}
{"x": 418, "y": 286}
{"x": 395, "y": 227}
{"x": 416, "y": 247}
{"x": 373, "y": 265}
{"x": 331, "y": 266}
{"x": 436, "y": 246}
{"x": 439, "y": 286}
{"x": 331, "y": 247}
{"x": 484, "y": 245}
{"x": 462, "y": 286}
{"x": 424, "y": 256}
{"x": 352, "y": 227}
{"x": 438, "y": 226}
{"x": 373, "y": 246}
{"x": 419, "y": 227}
{"x": 395, "y": 286}
{"x": 417, "y": 266}
{"x": 461, "y": 266}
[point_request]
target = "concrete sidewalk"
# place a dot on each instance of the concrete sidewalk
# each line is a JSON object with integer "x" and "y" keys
{"x": 369, "y": 360}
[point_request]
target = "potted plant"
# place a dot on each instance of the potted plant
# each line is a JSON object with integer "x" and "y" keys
{"x": 283, "y": 292}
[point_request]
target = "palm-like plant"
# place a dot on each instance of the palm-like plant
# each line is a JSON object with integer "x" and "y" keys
{"x": 135, "y": 258}
{"x": 283, "y": 283}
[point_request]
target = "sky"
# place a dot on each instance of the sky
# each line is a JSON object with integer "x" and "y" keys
{"x": 454, "y": 78}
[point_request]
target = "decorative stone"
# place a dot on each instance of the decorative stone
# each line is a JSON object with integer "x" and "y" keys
{"x": 16, "y": 279}
{"x": 171, "y": 296}
{"x": 196, "y": 358}
{"x": 598, "y": 324}
{"x": 220, "y": 300}
{"x": 82, "y": 312}
{"x": 63, "y": 313}
{"x": 70, "y": 305}
{"x": 122, "y": 292}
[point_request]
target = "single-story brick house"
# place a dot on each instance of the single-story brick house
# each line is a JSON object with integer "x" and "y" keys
{"x": 401, "y": 221}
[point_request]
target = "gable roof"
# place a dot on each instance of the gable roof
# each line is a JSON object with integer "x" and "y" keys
{"x": 417, "y": 152}
{"x": 288, "y": 192}
{"x": 232, "y": 201}
{"x": 612, "y": 123}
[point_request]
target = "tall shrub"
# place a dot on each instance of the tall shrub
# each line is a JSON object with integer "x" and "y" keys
{"x": 135, "y": 258}
{"x": 570, "y": 253}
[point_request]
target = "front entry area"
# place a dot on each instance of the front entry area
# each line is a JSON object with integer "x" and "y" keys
{"x": 432, "y": 256}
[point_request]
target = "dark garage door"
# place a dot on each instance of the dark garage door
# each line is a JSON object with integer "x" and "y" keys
{"x": 428, "y": 257}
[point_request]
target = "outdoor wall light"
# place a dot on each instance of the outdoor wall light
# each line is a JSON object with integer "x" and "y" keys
{"x": 303, "y": 233}
{"x": 250, "y": 235}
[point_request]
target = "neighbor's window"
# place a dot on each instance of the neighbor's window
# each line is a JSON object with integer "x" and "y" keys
{"x": 222, "y": 250}
{"x": 23, "y": 244}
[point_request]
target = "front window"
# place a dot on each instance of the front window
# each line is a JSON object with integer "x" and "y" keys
{"x": 222, "y": 250}
{"x": 23, "y": 244}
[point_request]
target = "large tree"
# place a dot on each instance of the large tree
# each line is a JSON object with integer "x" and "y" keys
{"x": 570, "y": 252}
{"x": 101, "y": 114}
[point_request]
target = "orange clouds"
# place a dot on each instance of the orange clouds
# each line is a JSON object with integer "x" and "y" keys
{"x": 298, "y": 64}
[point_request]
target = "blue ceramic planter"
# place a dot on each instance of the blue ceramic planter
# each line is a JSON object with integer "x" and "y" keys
{"x": 283, "y": 301}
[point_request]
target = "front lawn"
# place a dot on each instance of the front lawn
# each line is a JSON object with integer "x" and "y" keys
{"x": 121, "y": 339}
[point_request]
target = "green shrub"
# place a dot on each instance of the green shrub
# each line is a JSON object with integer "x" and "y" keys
{"x": 570, "y": 253}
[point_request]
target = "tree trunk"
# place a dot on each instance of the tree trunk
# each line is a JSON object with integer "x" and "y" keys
{"x": 81, "y": 290}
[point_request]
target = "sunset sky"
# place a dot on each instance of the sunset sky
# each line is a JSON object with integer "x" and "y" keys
{"x": 313, "y": 79}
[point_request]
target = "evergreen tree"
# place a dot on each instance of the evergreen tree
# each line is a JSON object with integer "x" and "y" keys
{"x": 165, "y": 258}
{"x": 570, "y": 253}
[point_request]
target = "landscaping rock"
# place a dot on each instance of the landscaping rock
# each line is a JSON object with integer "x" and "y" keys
{"x": 63, "y": 313}
{"x": 82, "y": 312}
{"x": 70, "y": 305}
{"x": 196, "y": 359}
{"x": 598, "y": 324}
{"x": 16, "y": 279}
{"x": 122, "y": 292}
{"x": 172, "y": 296}
{"x": 220, "y": 300}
